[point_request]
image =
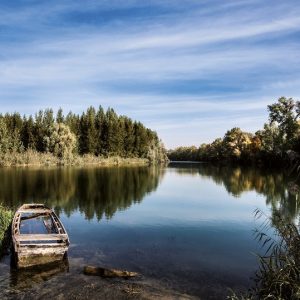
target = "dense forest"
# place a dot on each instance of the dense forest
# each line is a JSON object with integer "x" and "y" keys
{"x": 95, "y": 132}
{"x": 277, "y": 142}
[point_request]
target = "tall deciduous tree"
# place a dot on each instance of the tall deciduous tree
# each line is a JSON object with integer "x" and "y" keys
{"x": 271, "y": 139}
{"x": 285, "y": 113}
{"x": 236, "y": 142}
{"x": 61, "y": 141}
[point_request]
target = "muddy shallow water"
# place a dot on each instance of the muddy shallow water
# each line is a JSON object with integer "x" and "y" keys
{"x": 187, "y": 229}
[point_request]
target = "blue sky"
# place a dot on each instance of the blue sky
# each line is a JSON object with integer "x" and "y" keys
{"x": 188, "y": 69}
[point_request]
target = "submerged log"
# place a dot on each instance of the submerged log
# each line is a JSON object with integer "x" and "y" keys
{"x": 109, "y": 273}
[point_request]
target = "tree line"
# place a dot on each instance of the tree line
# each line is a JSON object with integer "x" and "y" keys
{"x": 277, "y": 141}
{"x": 96, "y": 132}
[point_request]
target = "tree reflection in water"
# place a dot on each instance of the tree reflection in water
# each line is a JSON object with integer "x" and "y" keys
{"x": 273, "y": 184}
{"x": 101, "y": 192}
{"x": 95, "y": 192}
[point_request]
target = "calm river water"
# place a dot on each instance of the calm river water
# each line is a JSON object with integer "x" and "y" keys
{"x": 190, "y": 226}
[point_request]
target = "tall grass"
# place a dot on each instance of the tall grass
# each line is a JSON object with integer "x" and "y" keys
{"x": 278, "y": 276}
{"x": 28, "y": 158}
{"x": 6, "y": 216}
{"x": 34, "y": 158}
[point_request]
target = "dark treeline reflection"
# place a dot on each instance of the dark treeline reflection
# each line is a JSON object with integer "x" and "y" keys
{"x": 93, "y": 191}
{"x": 273, "y": 184}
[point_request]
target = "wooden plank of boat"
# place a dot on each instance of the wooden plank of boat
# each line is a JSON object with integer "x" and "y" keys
{"x": 41, "y": 237}
{"x": 35, "y": 210}
{"x": 35, "y": 248}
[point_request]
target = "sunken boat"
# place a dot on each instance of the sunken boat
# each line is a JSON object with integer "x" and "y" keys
{"x": 38, "y": 236}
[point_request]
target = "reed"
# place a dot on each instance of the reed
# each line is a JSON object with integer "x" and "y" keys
{"x": 6, "y": 216}
{"x": 278, "y": 276}
{"x": 35, "y": 158}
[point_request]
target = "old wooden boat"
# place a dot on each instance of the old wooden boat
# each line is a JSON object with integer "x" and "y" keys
{"x": 38, "y": 236}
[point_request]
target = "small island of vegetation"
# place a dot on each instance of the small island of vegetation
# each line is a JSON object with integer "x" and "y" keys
{"x": 94, "y": 137}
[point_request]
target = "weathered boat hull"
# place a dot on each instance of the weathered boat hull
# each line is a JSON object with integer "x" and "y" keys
{"x": 32, "y": 256}
{"x": 35, "y": 248}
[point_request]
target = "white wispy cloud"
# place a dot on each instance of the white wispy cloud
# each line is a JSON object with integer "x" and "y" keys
{"x": 206, "y": 58}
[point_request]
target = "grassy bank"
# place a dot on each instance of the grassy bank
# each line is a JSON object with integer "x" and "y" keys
{"x": 34, "y": 158}
{"x": 5, "y": 220}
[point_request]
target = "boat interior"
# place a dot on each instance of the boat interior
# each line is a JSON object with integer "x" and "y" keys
{"x": 37, "y": 223}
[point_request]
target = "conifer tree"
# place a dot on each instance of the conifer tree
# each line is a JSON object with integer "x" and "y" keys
{"x": 39, "y": 132}
{"x": 60, "y": 116}
{"x": 112, "y": 134}
{"x": 141, "y": 141}
{"x": 92, "y": 137}
{"x": 27, "y": 133}
{"x": 100, "y": 127}
{"x": 129, "y": 139}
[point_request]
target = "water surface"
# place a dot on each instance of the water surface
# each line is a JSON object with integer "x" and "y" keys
{"x": 190, "y": 226}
